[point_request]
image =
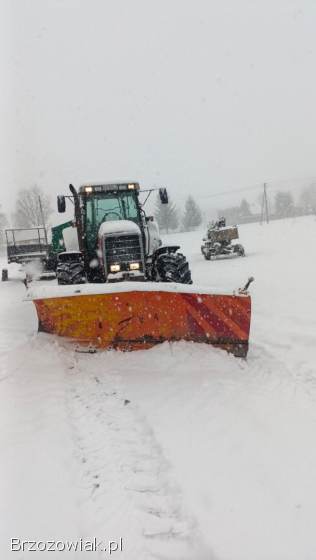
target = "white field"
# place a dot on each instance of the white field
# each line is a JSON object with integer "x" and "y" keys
{"x": 183, "y": 451}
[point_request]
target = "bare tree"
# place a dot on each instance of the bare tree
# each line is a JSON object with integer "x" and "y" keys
{"x": 28, "y": 210}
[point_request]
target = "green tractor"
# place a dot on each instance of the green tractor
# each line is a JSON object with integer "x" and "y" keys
{"x": 116, "y": 240}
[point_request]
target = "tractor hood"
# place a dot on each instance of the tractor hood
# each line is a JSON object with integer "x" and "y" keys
{"x": 121, "y": 250}
{"x": 119, "y": 227}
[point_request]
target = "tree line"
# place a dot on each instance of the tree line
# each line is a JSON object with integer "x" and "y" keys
{"x": 282, "y": 205}
{"x": 28, "y": 212}
{"x": 169, "y": 218}
{"x": 33, "y": 204}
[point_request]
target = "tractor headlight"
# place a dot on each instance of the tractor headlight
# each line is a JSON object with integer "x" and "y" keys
{"x": 131, "y": 186}
{"x": 115, "y": 268}
{"x": 134, "y": 266}
{"x": 88, "y": 189}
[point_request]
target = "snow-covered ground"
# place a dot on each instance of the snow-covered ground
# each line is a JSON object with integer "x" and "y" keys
{"x": 182, "y": 451}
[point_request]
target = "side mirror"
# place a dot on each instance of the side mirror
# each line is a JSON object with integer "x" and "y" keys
{"x": 163, "y": 196}
{"x": 61, "y": 203}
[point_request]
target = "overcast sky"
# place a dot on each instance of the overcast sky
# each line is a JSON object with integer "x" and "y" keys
{"x": 197, "y": 95}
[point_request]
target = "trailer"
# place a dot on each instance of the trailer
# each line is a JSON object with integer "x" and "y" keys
{"x": 29, "y": 247}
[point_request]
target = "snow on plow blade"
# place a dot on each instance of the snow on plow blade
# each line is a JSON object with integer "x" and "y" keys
{"x": 130, "y": 317}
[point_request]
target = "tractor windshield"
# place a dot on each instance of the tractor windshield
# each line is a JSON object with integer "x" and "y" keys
{"x": 105, "y": 207}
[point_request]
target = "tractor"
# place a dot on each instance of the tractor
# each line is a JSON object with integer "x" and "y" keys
{"x": 116, "y": 240}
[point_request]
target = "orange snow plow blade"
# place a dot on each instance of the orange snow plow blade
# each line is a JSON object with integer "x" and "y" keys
{"x": 135, "y": 318}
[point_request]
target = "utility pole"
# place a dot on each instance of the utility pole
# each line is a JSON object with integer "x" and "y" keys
{"x": 264, "y": 205}
{"x": 43, "y": 219}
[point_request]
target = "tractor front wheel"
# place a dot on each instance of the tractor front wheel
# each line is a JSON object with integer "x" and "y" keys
{"x": 172, "y": 267}
{"x": 70, "y": 272}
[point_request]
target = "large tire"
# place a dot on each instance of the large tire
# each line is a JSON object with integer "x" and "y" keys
{"x": 70, "y": 272}
{"x": 238, "y": 248}
{"x": 172, "y": 267}
{"x": 206, "y": 254}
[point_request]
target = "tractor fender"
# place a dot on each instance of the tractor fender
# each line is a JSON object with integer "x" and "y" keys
{"x": 67, "y": 256}
{"x": 165, "y": 249}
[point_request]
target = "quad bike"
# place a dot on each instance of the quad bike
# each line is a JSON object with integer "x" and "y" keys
{"x": 218, "y": 241}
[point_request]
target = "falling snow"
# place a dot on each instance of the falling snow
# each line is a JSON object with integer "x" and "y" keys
{"x": 182, "y": 450}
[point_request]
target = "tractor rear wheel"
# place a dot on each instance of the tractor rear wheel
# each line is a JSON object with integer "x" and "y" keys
{"x": 70, "y": 272}
{"x": 172, "y": 267}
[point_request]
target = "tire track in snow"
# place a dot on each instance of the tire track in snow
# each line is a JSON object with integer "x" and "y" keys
{"x": 18, "y": 326}
{"x": 124, "y": 475}
{"x": 273, "y": 367}
{"x": 238, "y": 444}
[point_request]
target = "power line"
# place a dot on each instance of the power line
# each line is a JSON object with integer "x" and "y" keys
{"x": 255, "y": 186}
{"x": 224, "y": 193}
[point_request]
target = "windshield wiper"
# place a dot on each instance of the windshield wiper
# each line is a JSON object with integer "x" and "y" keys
{"x": 124, "y": 208}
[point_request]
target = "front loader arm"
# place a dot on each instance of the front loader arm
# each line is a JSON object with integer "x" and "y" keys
{"x": 78, "y": 218}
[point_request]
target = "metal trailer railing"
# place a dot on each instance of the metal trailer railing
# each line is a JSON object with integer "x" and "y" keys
{"x": 26, "y": 244}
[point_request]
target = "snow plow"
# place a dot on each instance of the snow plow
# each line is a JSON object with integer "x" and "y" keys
{"x": 135, "y": 316}
{"x": 124, "y": 289}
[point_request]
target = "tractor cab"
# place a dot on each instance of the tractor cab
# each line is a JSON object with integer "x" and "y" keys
{"x": 108, "y": 203}
{"x": 116, "y": 239}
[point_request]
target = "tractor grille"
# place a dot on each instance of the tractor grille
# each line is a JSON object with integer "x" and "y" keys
{"x": 123, "y": 250}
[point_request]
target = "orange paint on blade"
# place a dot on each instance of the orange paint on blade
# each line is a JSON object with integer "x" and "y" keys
{"x": 134, "y": 320}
